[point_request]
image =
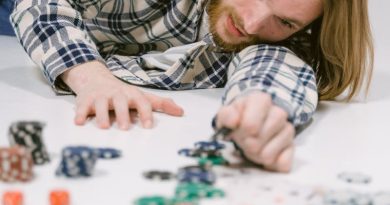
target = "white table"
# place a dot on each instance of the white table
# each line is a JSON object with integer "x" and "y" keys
{"x": 342, "y": 137}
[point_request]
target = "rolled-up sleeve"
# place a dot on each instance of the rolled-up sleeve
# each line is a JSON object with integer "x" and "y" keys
{"x": 279, "y": 72}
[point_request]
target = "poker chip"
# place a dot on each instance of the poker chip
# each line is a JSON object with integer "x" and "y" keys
{"x": 12, "y": 198}
{"x": 159, "y": 175}
{"x": 354, "y": 178}
{"x": 152, "y": 200}
{"x": 59, "y": 197}
{"x": 28, "y": 134}
{"x": 194, "y": 191}
{"x": 15, "y": 164}
{"x": 209, "y": 145}
{"x": 77, "y": 161}
{"x": 346, "y": 198}
{"x": 196, "y": 174}
{"x": 381, "y": 198}
{"x": 199, "y": 153}
{"x": 108, "y": 153}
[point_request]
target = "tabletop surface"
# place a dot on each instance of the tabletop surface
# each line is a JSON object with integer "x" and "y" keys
{"x": 351, "y": 137}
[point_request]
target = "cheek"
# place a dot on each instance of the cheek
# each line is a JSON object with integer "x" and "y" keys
{"x": 271, "y": 33}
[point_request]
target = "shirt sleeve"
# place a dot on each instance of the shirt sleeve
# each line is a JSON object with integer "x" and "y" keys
{"x": 279, "y": 72}
{"x": 53, "y": 34}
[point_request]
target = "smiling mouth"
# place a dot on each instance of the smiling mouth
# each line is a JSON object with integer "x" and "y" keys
{"x": 233, "y": 28}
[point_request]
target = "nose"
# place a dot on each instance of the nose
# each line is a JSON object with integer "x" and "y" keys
{"x": 255, "y": 18}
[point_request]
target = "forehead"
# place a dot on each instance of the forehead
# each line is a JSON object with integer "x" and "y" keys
{"x": 305, "y": 10}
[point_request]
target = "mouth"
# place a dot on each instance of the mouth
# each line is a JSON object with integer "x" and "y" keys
{"x": 233, "y": 28}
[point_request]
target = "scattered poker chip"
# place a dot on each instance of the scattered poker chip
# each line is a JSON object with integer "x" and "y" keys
{"x": 159, "y": 175}
{"x": 381, "y": 198}
{"x": 59, "y": 197}
{"x": 15, "y": 164}
{"x": 193, "y": 191}
{"x": 195, "y": 174}
{"x": 346, "y": 198}
{"x": 198, "y": 153}
{"x": 12, "y": 198}
{"x": 152, "y": 200}
{"x": 181, "y": 201}
{"x": 108, "y": 153}
{"x": 209, "y": 145}
{"x": 354, "y": 178}
{"x": 29, "y": 134}
{"x": 211, "y": 161}
{"x": 77, "y": 161}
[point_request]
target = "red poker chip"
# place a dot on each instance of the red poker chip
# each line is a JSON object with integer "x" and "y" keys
{"x": 15, "y": 164}
{"x": 12, "y": 198}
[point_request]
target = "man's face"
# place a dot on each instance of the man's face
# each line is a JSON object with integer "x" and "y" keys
{"x": 236, "y": 24}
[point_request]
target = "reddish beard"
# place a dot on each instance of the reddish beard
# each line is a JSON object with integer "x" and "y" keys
{"x": 215, "y": 11}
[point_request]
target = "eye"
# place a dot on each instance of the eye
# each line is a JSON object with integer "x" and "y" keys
{"x": 286, "y": 23}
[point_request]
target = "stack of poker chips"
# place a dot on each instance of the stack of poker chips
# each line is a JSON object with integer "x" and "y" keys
{"x": 15, "y": 164}
{"x": 79, "y": 161}
{"x": 28, "y": 134}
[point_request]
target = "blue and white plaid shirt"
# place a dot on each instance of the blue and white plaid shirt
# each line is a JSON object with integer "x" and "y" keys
{"x": 59, "y": 34}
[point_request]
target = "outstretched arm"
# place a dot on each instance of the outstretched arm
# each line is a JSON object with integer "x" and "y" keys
{"x": 54, "y": 35}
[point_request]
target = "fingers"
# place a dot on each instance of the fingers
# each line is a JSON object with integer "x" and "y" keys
{"x": 120, "y": 102}
{"x": 284, "y": 161}
{"x": 102, "y": 116}
{"x": 83, "y": 108}
{"x": 144, "y": 109}
{"x": 274, "y": 148}
{"x": 254, "y": 114}
{"x": 121, "y": 108}
{"x": 261, "y": 130}
{"x": 229, "y": 116}
{"x": 164, "y": 105}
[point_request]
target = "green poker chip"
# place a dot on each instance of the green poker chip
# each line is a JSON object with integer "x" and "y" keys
{"x": 191, "y": 191}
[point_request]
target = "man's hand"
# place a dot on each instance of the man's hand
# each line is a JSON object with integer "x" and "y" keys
{"x": 261, "y": 130}
{"x": 98, "y": 92}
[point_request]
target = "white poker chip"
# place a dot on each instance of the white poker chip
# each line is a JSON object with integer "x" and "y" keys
{"x": 381, "y": 198}
{"x": 339, "y": 197}
{"x": 354, "y": 178}
{"x": 346, "y": 197}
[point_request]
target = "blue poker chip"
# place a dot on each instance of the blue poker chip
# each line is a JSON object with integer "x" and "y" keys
{"x": 209, "y": 145}
{"x": 196, "y": 174}
{"x": 77, "y": 161}
{"x": 108, "y": 153}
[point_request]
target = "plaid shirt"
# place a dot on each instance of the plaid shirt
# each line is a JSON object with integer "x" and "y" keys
{"x": 59, "y": 34}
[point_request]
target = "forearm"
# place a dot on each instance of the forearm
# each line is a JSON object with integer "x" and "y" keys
{"x": 278, "y": 72}
{"x": 54, "y": 36}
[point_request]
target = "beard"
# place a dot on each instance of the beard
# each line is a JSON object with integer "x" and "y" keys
{"x": 215, "y": 10}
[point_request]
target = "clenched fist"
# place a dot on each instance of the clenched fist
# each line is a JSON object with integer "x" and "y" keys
{"x": 260, "y": 129}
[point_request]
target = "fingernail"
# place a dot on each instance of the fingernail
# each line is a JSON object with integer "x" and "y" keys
{"x": 148, "y": 124}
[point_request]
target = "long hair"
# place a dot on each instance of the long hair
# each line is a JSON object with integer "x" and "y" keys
{"x": 339, "y": 47}
{"x": 343, "y": 50}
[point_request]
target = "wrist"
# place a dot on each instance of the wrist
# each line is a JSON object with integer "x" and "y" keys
{"x": 79, "y": 76}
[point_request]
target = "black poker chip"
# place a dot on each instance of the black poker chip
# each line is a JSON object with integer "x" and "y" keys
{"x": 159, "y": 175}
{"x": 28, "y": 134}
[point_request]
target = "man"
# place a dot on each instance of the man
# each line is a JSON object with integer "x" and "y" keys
{"x": 101, "y": 50}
